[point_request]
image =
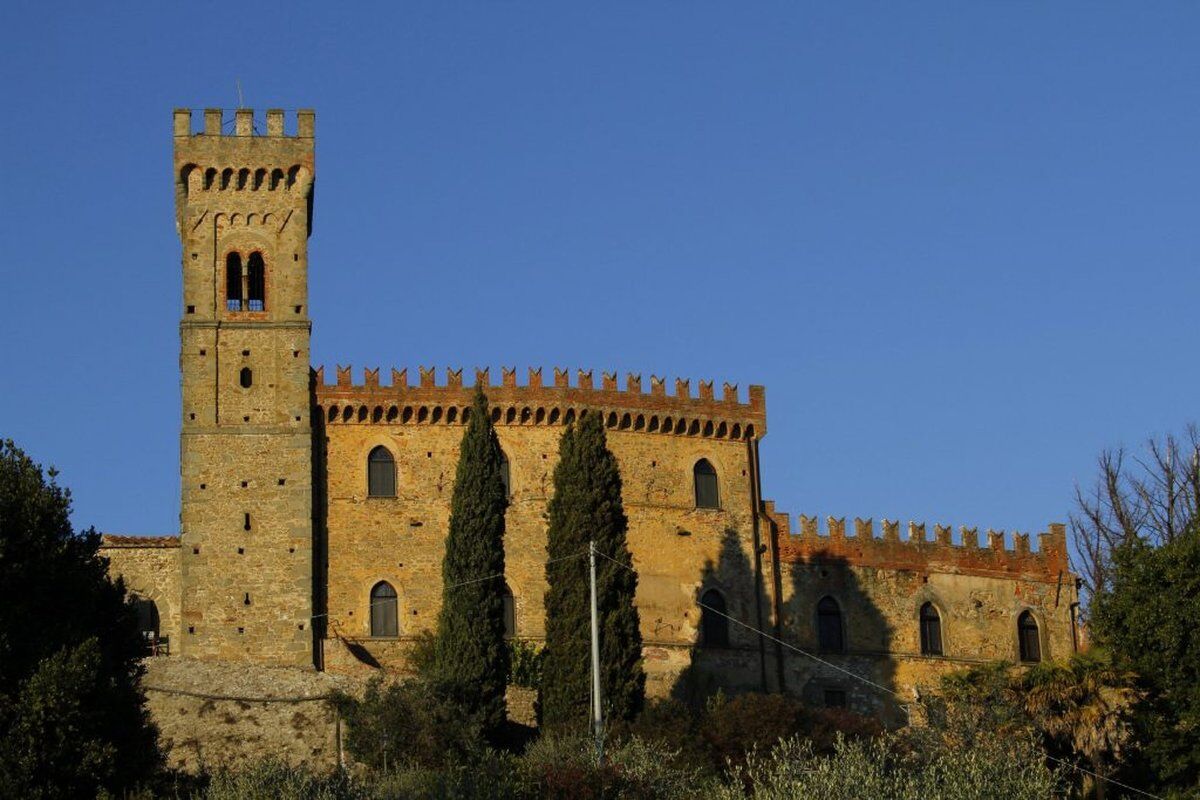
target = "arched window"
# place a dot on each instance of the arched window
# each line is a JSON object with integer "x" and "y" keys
{"x": 1027, "y": 638}
{"x": 931, "y": 631}
{"x": 385, "y": 610}
{"x": 148, "y": 623}
{"x": 256, "y": 283}
{"x": 510, "y": 613}
{"x": 246, "y": 378}
{"x": 829, "y": 626}
{"x": 505, "y": 475}
{"x": 714, "y": 626}
{"x": 381, "y": 473}
{"x": 233, "y": 282}
{"x": 706, "y": 485}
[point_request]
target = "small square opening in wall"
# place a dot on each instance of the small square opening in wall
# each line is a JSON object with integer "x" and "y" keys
{"x": 241, "y": 630}
{"x": 204, "y": 486}
{"x": 297, "y": 419}
{"x": 241, "y": 551}
{"x": 195, "y": 551}
{"x": 245, "y": 419}
{"x": 282, "y": 481}
{"x": 291, "y": 549}
{"x": 245, "y": 352}
{"x": 298, "y": 309}
{"x": 203, "y": 352}
{"x": 300, "y": 626}
{"x": 195, "y": 256}
{"x": 191, "y": 309}
{"x": 191, "y": 416}
{"x": 191, "y": 628}
{"x": 245, "y": 484}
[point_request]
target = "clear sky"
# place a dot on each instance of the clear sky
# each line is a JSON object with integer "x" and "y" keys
{"x": 958, "y": 242}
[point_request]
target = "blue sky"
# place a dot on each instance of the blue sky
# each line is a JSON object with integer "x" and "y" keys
{"x": 958, "y": 242}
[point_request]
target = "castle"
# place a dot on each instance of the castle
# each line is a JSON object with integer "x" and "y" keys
{"x": 314, "y": 505}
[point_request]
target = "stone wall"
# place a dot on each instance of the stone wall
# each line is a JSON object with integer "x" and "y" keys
{"x": 150, "y": 569}
{"x": 213, "y": 714}
{"x": 880, "y": 585}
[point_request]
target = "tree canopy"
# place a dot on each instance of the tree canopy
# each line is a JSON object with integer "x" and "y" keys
{"x": 73, "y": 715}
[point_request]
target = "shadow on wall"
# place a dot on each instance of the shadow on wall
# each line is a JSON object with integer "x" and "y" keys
{"x": 320, "y": 533}
{"x": 826, "y": 613}
{"x": 829, "y": 615}
{"x": 727, "y": 656}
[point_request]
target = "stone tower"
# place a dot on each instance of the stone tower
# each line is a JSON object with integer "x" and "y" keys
{"x": 243, "y": 202}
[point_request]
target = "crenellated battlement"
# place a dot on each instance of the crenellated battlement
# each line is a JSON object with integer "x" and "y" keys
{"x": 536, "y": 403}
{"x": 245, "y": 124}
{"x": 241, "y": 162}
{"x": 916, "y": 551}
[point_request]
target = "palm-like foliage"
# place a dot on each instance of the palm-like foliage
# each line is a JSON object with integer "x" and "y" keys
{"x": 1085, "y": 707}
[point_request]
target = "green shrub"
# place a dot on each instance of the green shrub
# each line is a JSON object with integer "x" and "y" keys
{"x": 494, "y": 775}
{"x": 734, "y": 726}
{"x": 277, "y": 780}
{"x": 407, "y": 724}
{"x": 565, "y": 767}
{"x": 990, "y": 769}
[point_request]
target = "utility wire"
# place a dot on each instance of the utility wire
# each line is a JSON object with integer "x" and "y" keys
{"x": 876, "y": 685}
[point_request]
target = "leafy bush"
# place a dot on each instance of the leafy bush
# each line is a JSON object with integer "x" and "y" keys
{"x": 565, "y": 767}
{"x": 277, "y": 780}
{"x": 735, "y": 726}
{"x": 875, "y": 768}
{"x": 494, "y": 776}
{"x": 407, "y": 723}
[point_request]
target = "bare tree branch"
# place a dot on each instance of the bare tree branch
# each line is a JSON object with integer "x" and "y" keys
{"x": 1152, "y": 501}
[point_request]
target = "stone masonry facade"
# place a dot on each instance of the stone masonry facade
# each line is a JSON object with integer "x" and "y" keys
{"x": 281, "y": 541}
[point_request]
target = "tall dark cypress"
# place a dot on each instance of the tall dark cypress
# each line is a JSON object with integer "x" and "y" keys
{"x": 587, "y": 507}
{"x": 470, "y": 661}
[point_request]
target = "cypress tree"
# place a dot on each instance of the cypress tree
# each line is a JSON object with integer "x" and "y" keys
{"x": 587, "y": 507}
{"x": 470, "y": 659}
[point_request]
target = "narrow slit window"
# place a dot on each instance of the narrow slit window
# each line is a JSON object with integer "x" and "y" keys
{"x": 931, "y": 631}
{"x": 256, "y": 283}
{"x": 233, "y": 282}
{"x": 246, "y": 378}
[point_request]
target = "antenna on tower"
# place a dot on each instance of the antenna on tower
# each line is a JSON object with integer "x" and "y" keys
{"x": 241, "y": 103}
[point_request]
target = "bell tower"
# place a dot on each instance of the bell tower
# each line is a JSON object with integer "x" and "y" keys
{"x": 243, "y": 209}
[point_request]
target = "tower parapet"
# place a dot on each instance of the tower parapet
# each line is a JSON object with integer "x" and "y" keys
{"x": 916, "y": 551}
{"x": 534, "y": 403}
